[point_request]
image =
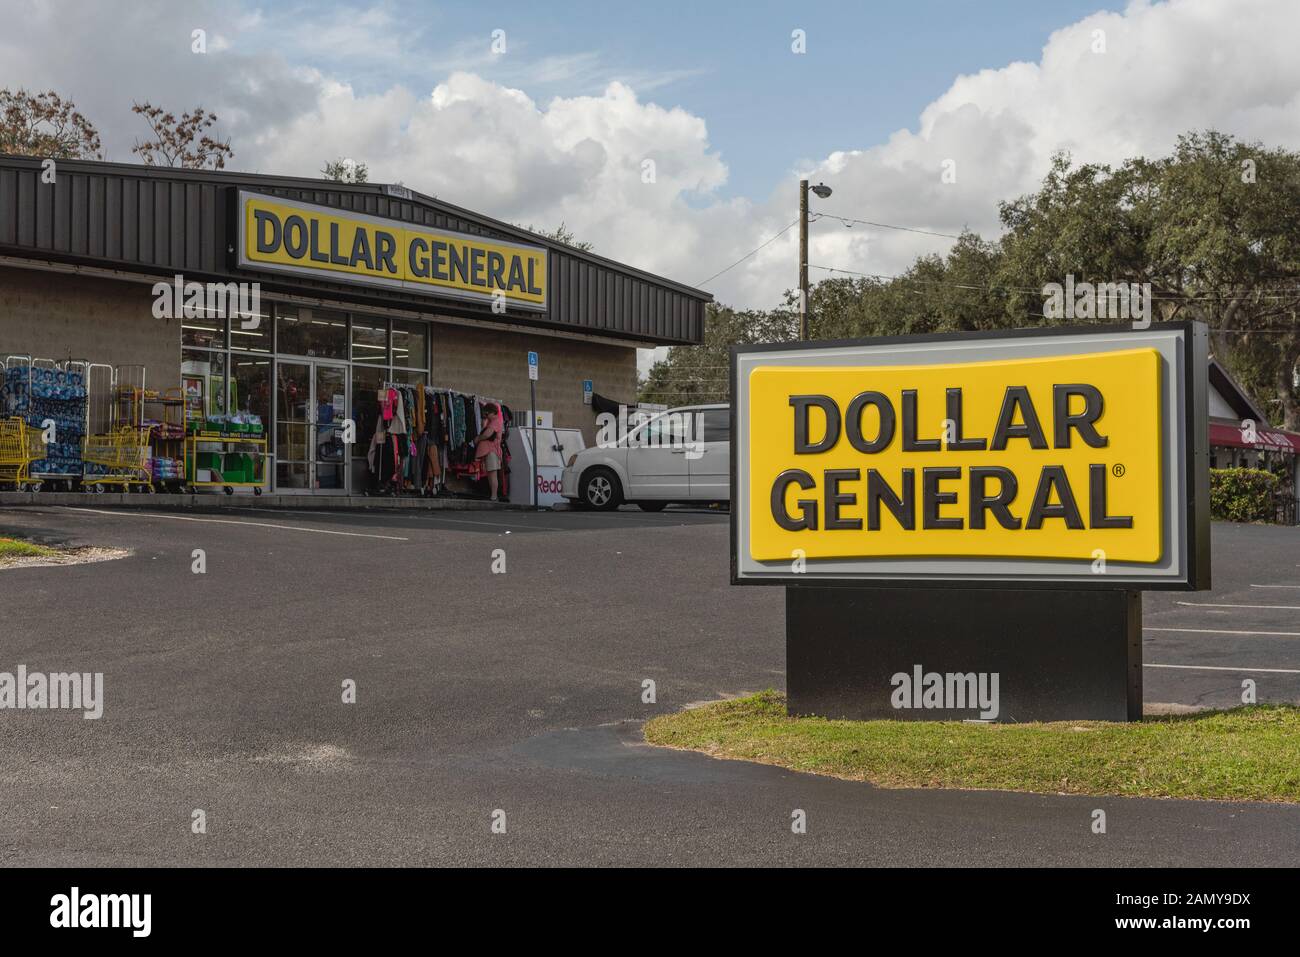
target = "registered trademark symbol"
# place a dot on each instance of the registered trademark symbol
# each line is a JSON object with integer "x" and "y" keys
{"x": 1117, "y": 470}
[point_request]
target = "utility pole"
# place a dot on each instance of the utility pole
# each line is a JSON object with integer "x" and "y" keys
{"x": 803, "y": 260}
{"x": 822, "y": 191}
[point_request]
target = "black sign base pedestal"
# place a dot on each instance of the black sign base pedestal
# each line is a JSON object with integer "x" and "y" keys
{"x": 947, "y": 653}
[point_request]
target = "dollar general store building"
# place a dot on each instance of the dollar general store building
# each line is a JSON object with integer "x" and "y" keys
{"x": 359, "y": 284}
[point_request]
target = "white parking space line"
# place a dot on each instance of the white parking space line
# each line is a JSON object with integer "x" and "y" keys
{"x": 519, "y": 525}
{"x": 1210, "y": 604}
{"x": 227, "y": 521}
{"x": 553, "y": 528}
{"x": 1221, "y": 631}
{"x": 421, "y": 513}
{"x": 281, "y": 511}
{"x": 1271, "y": 671}
{"x": 1275, "y": 586}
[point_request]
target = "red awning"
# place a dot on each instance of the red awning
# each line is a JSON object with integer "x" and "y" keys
{"x": 1266, "y": 440}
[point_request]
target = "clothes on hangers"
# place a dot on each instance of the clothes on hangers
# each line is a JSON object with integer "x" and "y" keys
{"x": 384, "y": 456}
{"x": 425, "y": 434}
{"x": 457, "y": 422}
{"x": 396, "y": 412}
{"x": 507, "y": 420}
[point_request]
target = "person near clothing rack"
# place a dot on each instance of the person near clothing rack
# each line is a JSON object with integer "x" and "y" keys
{"x": 488, "y": 447}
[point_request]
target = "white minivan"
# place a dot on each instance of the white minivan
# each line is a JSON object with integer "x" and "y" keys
{"x": 681, "y": 455}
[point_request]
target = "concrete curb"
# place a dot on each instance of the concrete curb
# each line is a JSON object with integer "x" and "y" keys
{"x": 218, "y": 502}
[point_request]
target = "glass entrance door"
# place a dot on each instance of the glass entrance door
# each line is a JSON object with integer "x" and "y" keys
{"x": 292, "y": 408}
{"x": 311, "y": 402}
{"x": 330, "y": 394}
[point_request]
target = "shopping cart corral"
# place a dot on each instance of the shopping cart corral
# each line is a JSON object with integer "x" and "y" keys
{"x": 20, "y": 446}
{"x": 117, "y": 458}
{"x": 97, "y": 426}
{"x": 226, "y": 461}
{"x": 51, "y": 397}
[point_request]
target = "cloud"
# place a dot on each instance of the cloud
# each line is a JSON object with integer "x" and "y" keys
{"x": 584, "y": 70}
{"x": 1166, "y": 69}
{"x": 104, "y": 56}
{"x": 483, "y": 132}
{"x": 582, "y": 160}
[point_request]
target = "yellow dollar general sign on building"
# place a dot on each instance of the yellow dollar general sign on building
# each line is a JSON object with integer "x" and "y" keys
{"x": 282, "y": 235}
{"x": 1029, "y": 457}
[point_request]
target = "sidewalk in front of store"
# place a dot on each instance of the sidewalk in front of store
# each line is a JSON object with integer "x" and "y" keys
{"x": 243, "y": 501}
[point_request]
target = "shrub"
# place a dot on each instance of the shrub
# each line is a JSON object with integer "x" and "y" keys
{"x": 1242, "y": 495}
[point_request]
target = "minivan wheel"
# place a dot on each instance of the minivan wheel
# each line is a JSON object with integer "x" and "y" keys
{"x": 652, "y": 506}
{"x": 600, "y": 490}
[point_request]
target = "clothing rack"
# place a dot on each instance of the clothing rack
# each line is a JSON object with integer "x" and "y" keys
{"x": 427, "y": 435}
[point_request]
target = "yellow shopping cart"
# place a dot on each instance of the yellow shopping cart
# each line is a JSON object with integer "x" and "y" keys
{"x": 116, "y": 458}
{"x": 20, "y": 446}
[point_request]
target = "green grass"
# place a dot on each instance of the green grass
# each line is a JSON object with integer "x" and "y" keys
{"x": 1245, "y": 754}
{"x": 15, "y": 548}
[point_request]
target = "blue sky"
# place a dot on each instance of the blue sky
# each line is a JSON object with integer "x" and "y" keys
{"x": 560, "y": 127}
{"x": 869, "y": 69}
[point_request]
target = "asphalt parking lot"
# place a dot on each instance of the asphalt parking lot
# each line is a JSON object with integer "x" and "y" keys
{"x": 1198, "y": 647}
{"x": 519, "y": 693}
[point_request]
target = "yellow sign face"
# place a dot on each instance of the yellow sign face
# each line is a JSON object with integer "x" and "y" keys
{"x": 287, "y": 236}
{"x": 1038, "y": 458}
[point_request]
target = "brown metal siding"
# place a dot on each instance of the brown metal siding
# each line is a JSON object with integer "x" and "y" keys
{"x": 168, "y": 221}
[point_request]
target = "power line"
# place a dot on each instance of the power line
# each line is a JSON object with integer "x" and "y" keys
{"x": 933, "y": 282}
{"x": 748, "y": 254}
{"x": 714, "y": 380}
{"x": 818, "y": 215}
{"x": 1033, "y": 292}
{"x": 866, "y": 222}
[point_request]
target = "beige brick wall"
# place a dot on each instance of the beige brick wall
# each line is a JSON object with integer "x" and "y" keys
{"x": 59, "y": 316}
{"x": 55, "y": 315}
{"x": 494, "y": 363}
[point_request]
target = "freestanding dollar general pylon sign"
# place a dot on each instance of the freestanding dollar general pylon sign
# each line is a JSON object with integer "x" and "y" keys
{"x": 996, "y": 499}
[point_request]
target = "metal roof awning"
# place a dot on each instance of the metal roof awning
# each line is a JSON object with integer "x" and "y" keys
{"x": 158, "y": 222}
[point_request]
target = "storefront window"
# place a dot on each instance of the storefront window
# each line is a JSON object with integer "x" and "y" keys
{"x": 410, "y": 344}
{"x": 292, "y": 415}
{"x": 406, "y": 375}
{"x": 203, "y": 379}
{"x": 257, "y": 336}
{"x": 204, "y": 333}
{"x": 370, "y": 341}
{"x": 304, "y": 331}
{"x": 366, "y": 382}
{"x": 269, "y": 370}
{"x": 250, "y": 386}
{"x": 291, "y": 475}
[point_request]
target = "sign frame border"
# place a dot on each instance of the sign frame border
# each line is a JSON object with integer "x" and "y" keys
{"x": 1196, "y": 559}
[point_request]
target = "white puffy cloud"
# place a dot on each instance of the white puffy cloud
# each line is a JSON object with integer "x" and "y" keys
{"x": 1166, "y": 69}
{"x": 106, "y": 56}
{"x": 290, "y": 101}
{"x": 580, "y": 160}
